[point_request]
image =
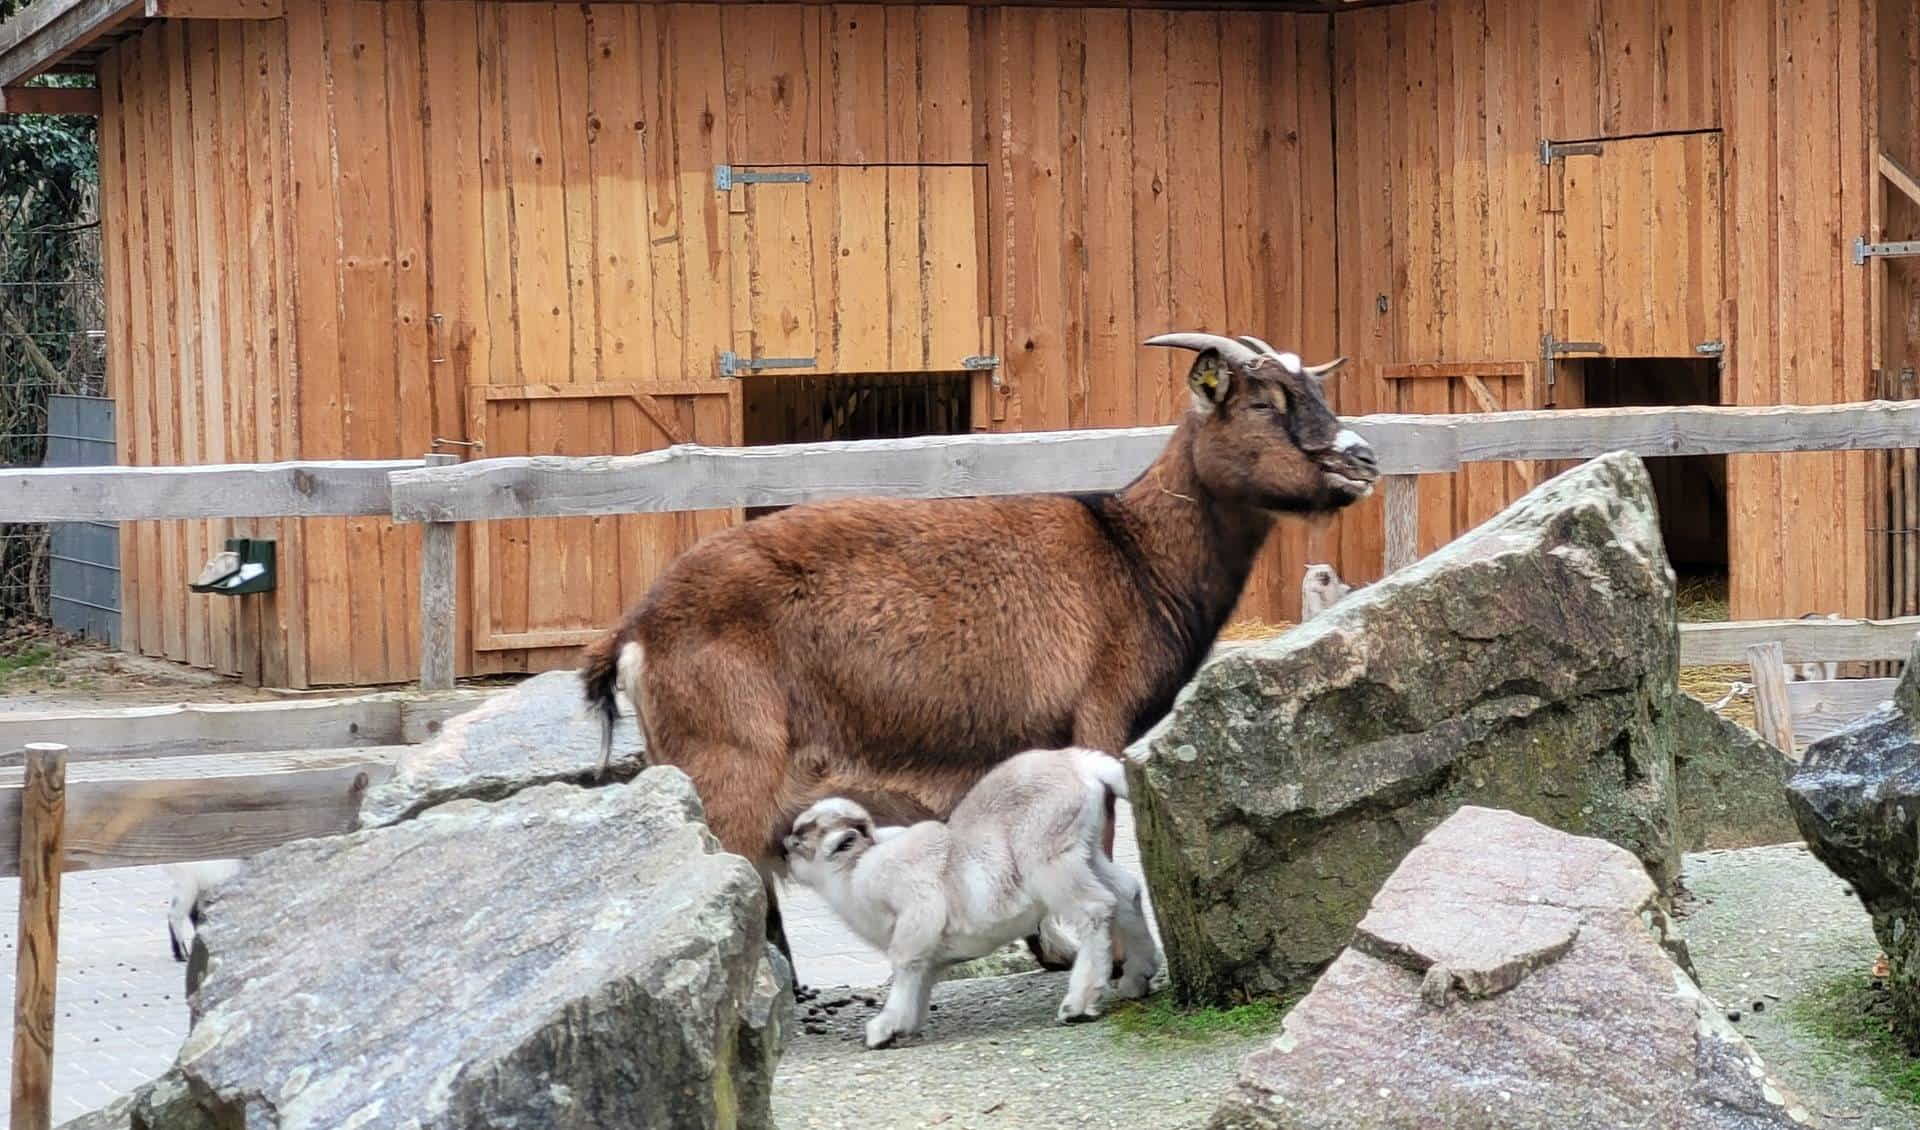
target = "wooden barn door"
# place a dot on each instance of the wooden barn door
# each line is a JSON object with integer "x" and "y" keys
{"x": 561, "y": 582}
{"x": 855, "y": 269}
{"x": 1637, "y": 247}
{"x": 1450, "y": 505}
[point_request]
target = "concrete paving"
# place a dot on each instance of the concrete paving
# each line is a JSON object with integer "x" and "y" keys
{"x": 121, "y": 1007}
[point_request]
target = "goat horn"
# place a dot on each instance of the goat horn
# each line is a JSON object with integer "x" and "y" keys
{"x": 1235, "y": 353}
{"x": 1323, "y": 371}
{"x": 1258, "y": 344}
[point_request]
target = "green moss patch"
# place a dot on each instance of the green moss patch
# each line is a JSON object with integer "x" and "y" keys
{"x": 1159, "y": 1018}
{"x": 1850, "y": 1019}
{"x": 25, "y": 658}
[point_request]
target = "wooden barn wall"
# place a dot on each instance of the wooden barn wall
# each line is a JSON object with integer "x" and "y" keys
{"x": 517, "y": 181}
{"x": 192, "y": 148}
{"x": 1445, "y": 249}
{"x": 1796, "y": 82}
{"x": 1155, "y": 171}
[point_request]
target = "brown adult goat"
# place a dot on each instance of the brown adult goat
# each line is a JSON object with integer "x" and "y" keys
{"x": 894, "y": 651}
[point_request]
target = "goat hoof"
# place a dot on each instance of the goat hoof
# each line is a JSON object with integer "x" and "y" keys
{"x": 1069, "y": 1014}
{"x": 880, "y": 1034}
{"x": 1133, "y": 986}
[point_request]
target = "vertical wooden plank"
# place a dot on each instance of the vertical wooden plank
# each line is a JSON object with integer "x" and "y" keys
{"x": 857, "y": 62}
{"x": 318, "y": 319}
{"x": 190, "y": 376}
{"x": 1112, "y": 340}
{"x": 1195, "y": 76}
{"x": 949, "y": 284}
{"x": 1030, "y": 46}
{"x": 1856, "y": 150}
{"x": 36, "y": 977}
{"x": 655, "y": 75}
{"x": 1159, "y": 392}
{"x": 1571, "y": 76}
{"x": 1772, "y": 714}
{"x": 571, "y": 549}
{"x": 357, "y": 49}
{"x": 244, "y": 379}
{"x": 771, "y": 111}
{"x": 210, "y": 142}
{"x": 622, "y": 193}
{"x": 699, "y": 109}
{"x": 412, "y": 345}
{"x": 285, "y": 661}
{"x": 906, "y": 298}
{"x": 116, "y": 270}
{"x": 946, "y": 105}
{"x": 1751, "y": 369}
{"x": 170, "y": 557}
{"x": 1368, "y": 295}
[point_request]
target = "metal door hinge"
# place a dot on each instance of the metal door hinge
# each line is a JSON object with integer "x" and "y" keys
{"x": 726, "y": 176}
{"x": 732, "y": 364}
{"x": 1710, "y": 348}
{"x": 1862, "y": 250}
{"x": 1551, "y": 150}
{"x": 980, "y": 361}
{"x": 1552, "y": 348}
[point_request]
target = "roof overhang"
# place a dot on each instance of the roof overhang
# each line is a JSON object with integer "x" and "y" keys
{"x": 47, "y": 32}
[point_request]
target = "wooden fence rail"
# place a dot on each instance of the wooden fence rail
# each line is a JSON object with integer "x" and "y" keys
{"x": 694, "y": 477}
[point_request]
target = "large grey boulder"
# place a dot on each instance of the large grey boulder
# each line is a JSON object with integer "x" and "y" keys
{"x": 1729, "y": 782}
{"x": 566, "y": 958}
{"x": 1529, "y": 665}
{"x": 1508, "y": 976}
{"x": 1857, "y": 800}
{"x": 539, "y": 732}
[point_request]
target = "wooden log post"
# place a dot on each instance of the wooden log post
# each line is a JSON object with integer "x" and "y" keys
{"x": 1773, "y": 714}
{"x": 43, "y": 817}
{"x": 438, "y": 605}
{"x": 1403, "y": 521}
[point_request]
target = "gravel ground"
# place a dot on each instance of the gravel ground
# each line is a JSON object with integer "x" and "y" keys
{"x": 1769, "y": 925}
{"x": 992, "y": 1057}
{"x": 1765, "y": 924}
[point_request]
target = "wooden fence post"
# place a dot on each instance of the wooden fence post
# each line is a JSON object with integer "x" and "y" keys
{"x": 437, "y": 600}
{"x": 43, "y": 817}
{"x": 1772, "y": 714}
{"x": 1403, "y": 521}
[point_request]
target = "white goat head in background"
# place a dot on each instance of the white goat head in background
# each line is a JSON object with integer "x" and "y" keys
{"x": 1320, "y": 590}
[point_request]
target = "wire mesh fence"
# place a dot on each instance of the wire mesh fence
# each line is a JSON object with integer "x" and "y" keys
{"x": 52, "y": 346}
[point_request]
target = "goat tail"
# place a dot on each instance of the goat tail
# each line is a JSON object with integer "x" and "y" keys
{"x": 612, "y": 664}
{"x": 1104, "y": 771}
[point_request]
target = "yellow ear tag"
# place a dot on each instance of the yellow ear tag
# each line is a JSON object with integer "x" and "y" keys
{"x": 1210, "y": 378}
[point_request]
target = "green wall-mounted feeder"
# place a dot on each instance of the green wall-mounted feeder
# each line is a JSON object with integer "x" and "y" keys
{"x": 245, "y": 567}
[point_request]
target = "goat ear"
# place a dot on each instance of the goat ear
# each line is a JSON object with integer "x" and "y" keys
{"x": 1211, "y": 380}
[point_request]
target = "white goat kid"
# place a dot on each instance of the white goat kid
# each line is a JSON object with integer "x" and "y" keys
{"x": 191, "y": 881}
{"x": 1320, "y": 589}
{"x": 1021, "y": 847}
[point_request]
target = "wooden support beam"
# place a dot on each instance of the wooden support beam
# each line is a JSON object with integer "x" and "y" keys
{"x": 438, "y": 603}
{"x": 39, "y": 840}
{"x": 1898, "y": 176}
{"x": 215, "y": 9}
{"x": 1825, "y": 706}
{"x": 1773, "y": 713}
{"x": 1403, "y": 521}
{"x": 164, "y": 810}
{"x": 82, "y": 100}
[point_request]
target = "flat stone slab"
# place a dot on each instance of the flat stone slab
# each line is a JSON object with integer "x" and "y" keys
{"x": 537, "y": 733}
{"x": 1598, "y": 1030}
